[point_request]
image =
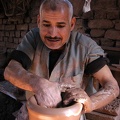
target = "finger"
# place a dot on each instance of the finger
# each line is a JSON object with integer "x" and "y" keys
{"x": 74, "y": 91}
{"x": 64, "y": 86}
{"x": 70, "y": 98}
{"x": 68, "y": 101}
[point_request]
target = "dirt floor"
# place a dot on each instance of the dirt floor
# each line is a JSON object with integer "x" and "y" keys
{"x": 7, "y": 106}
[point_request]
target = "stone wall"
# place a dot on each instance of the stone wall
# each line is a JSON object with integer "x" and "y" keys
{"x": 102, "y": 23}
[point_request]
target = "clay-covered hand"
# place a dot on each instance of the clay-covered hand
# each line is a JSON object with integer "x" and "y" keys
{"x": 78, "y": 95}
{"x": 47, "y": 94}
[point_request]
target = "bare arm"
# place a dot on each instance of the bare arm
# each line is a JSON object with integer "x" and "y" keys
{"x": 47, "y": 93}
{"x": 109, "y": 91}
{"x": 18, "y": 76}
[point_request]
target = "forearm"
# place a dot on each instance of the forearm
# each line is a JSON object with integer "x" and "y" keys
{"x": 18, "y": 76}
{"x": 106, "y": 95}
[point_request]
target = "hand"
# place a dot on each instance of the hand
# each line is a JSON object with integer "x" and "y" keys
{"x": 47, "y": 94}
{"x": 78, "y": 95}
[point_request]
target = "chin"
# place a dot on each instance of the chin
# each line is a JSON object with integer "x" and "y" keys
{"x": 54, "y": 47}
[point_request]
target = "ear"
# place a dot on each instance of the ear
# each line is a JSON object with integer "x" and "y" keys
{"x": 73, "y": 22}
{"x": 38, "y": 20}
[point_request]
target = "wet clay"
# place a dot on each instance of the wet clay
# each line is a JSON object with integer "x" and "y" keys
{"x": 37, "y": 112}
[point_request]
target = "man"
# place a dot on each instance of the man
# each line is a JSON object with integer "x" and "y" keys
{"x": 53, "y": 58}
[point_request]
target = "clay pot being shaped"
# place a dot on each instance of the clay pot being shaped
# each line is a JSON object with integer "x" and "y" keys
{"x": 37, "y": 112}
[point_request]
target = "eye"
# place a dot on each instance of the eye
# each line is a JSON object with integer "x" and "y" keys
{"x": 46, "y": 25}
{"x": 60, "y": 26}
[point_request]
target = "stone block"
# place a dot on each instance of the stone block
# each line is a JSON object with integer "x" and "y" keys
{"x": 9, "y": 27}
{"x": 97, "y": 33}
{"x": 34, "y": 19}
{"x": 11, "y": 45}
{"x": 2, "y": 27}
{"x": 100, "y": 116}
{"x": 103, "y": 4}
{"x": 23, "y": 33}
{"x": 10, "y": 39}
{"x": 113, "y": 14}
{"x": 22, "y": 27}
{"x": 107, "y": 42}
{"x": 7, "y": 34}
{"x": 0, "y": 21}
{"x": 118, "y": 44}
{"x": 20, "y": 40}
{"x": 1, "y": 39}
{"x": 32, "y": 25}
{"x": 101, "y": 24}
{"x": 16, "y": 40}
{"x": 17, "y": 34}
{"x": 118, "y": 4}
{"x": 112, "y": 34}
{"x": 97, "y": 40}
{"x": 5, "y": 39}
{"x": 27, "y": 20}
{"x": 12, "y": 34}
{"x": 100, "y": 14}
{"x": 117, "y": 25}
{"x": 5, "y": 21}
{"x": 1, "y": 33}
{"x": 20, "y": 21}
{"x": 2, "y": 15}
{"x": 34, "y": 12}
{"x": 77, "y": 6}
{"x": 2, "y": 44}
{"x": 79, "y": 26}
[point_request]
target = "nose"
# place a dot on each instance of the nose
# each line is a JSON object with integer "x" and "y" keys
{"x": 53, "y": 31}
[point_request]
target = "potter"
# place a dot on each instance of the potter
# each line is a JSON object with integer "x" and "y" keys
{"x": 53, "y": 58}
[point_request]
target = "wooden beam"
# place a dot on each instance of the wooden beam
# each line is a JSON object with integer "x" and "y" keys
{"x": 111, "y": 48}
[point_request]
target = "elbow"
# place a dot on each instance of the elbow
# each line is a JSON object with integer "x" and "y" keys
{"x": 113, "y": 88}
{"x": 117, "y": 91}
{"x": 6, "y": 73}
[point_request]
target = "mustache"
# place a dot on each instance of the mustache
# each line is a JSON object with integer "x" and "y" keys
{"x": 53, "y": 38}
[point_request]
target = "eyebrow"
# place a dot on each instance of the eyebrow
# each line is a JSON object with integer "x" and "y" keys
{"x": 57, "y": 22}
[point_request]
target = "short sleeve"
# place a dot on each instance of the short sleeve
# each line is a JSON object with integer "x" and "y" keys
{"x": 94, "y": 52}
{"x": 95, "y": 57}
{"x": 29, "y": 43}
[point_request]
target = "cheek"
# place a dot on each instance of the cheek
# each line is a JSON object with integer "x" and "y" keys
{"x": 65, "y": 33}
{"x": 43, "y": 31}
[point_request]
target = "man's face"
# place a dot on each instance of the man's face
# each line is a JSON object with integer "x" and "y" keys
{"x": 55, "y": 27}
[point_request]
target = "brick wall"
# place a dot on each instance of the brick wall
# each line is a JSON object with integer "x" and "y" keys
{"x": 102, "y": 23}
{"x": 11, "y": 31}
{"x": 105, "y": 25}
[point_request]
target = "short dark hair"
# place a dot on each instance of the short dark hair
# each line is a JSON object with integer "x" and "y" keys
{"x": 55, "y": 4}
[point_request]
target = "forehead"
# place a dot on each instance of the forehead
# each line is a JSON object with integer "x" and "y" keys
{"x": 59, "y": 8}
{"x": 58, "y": 15}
